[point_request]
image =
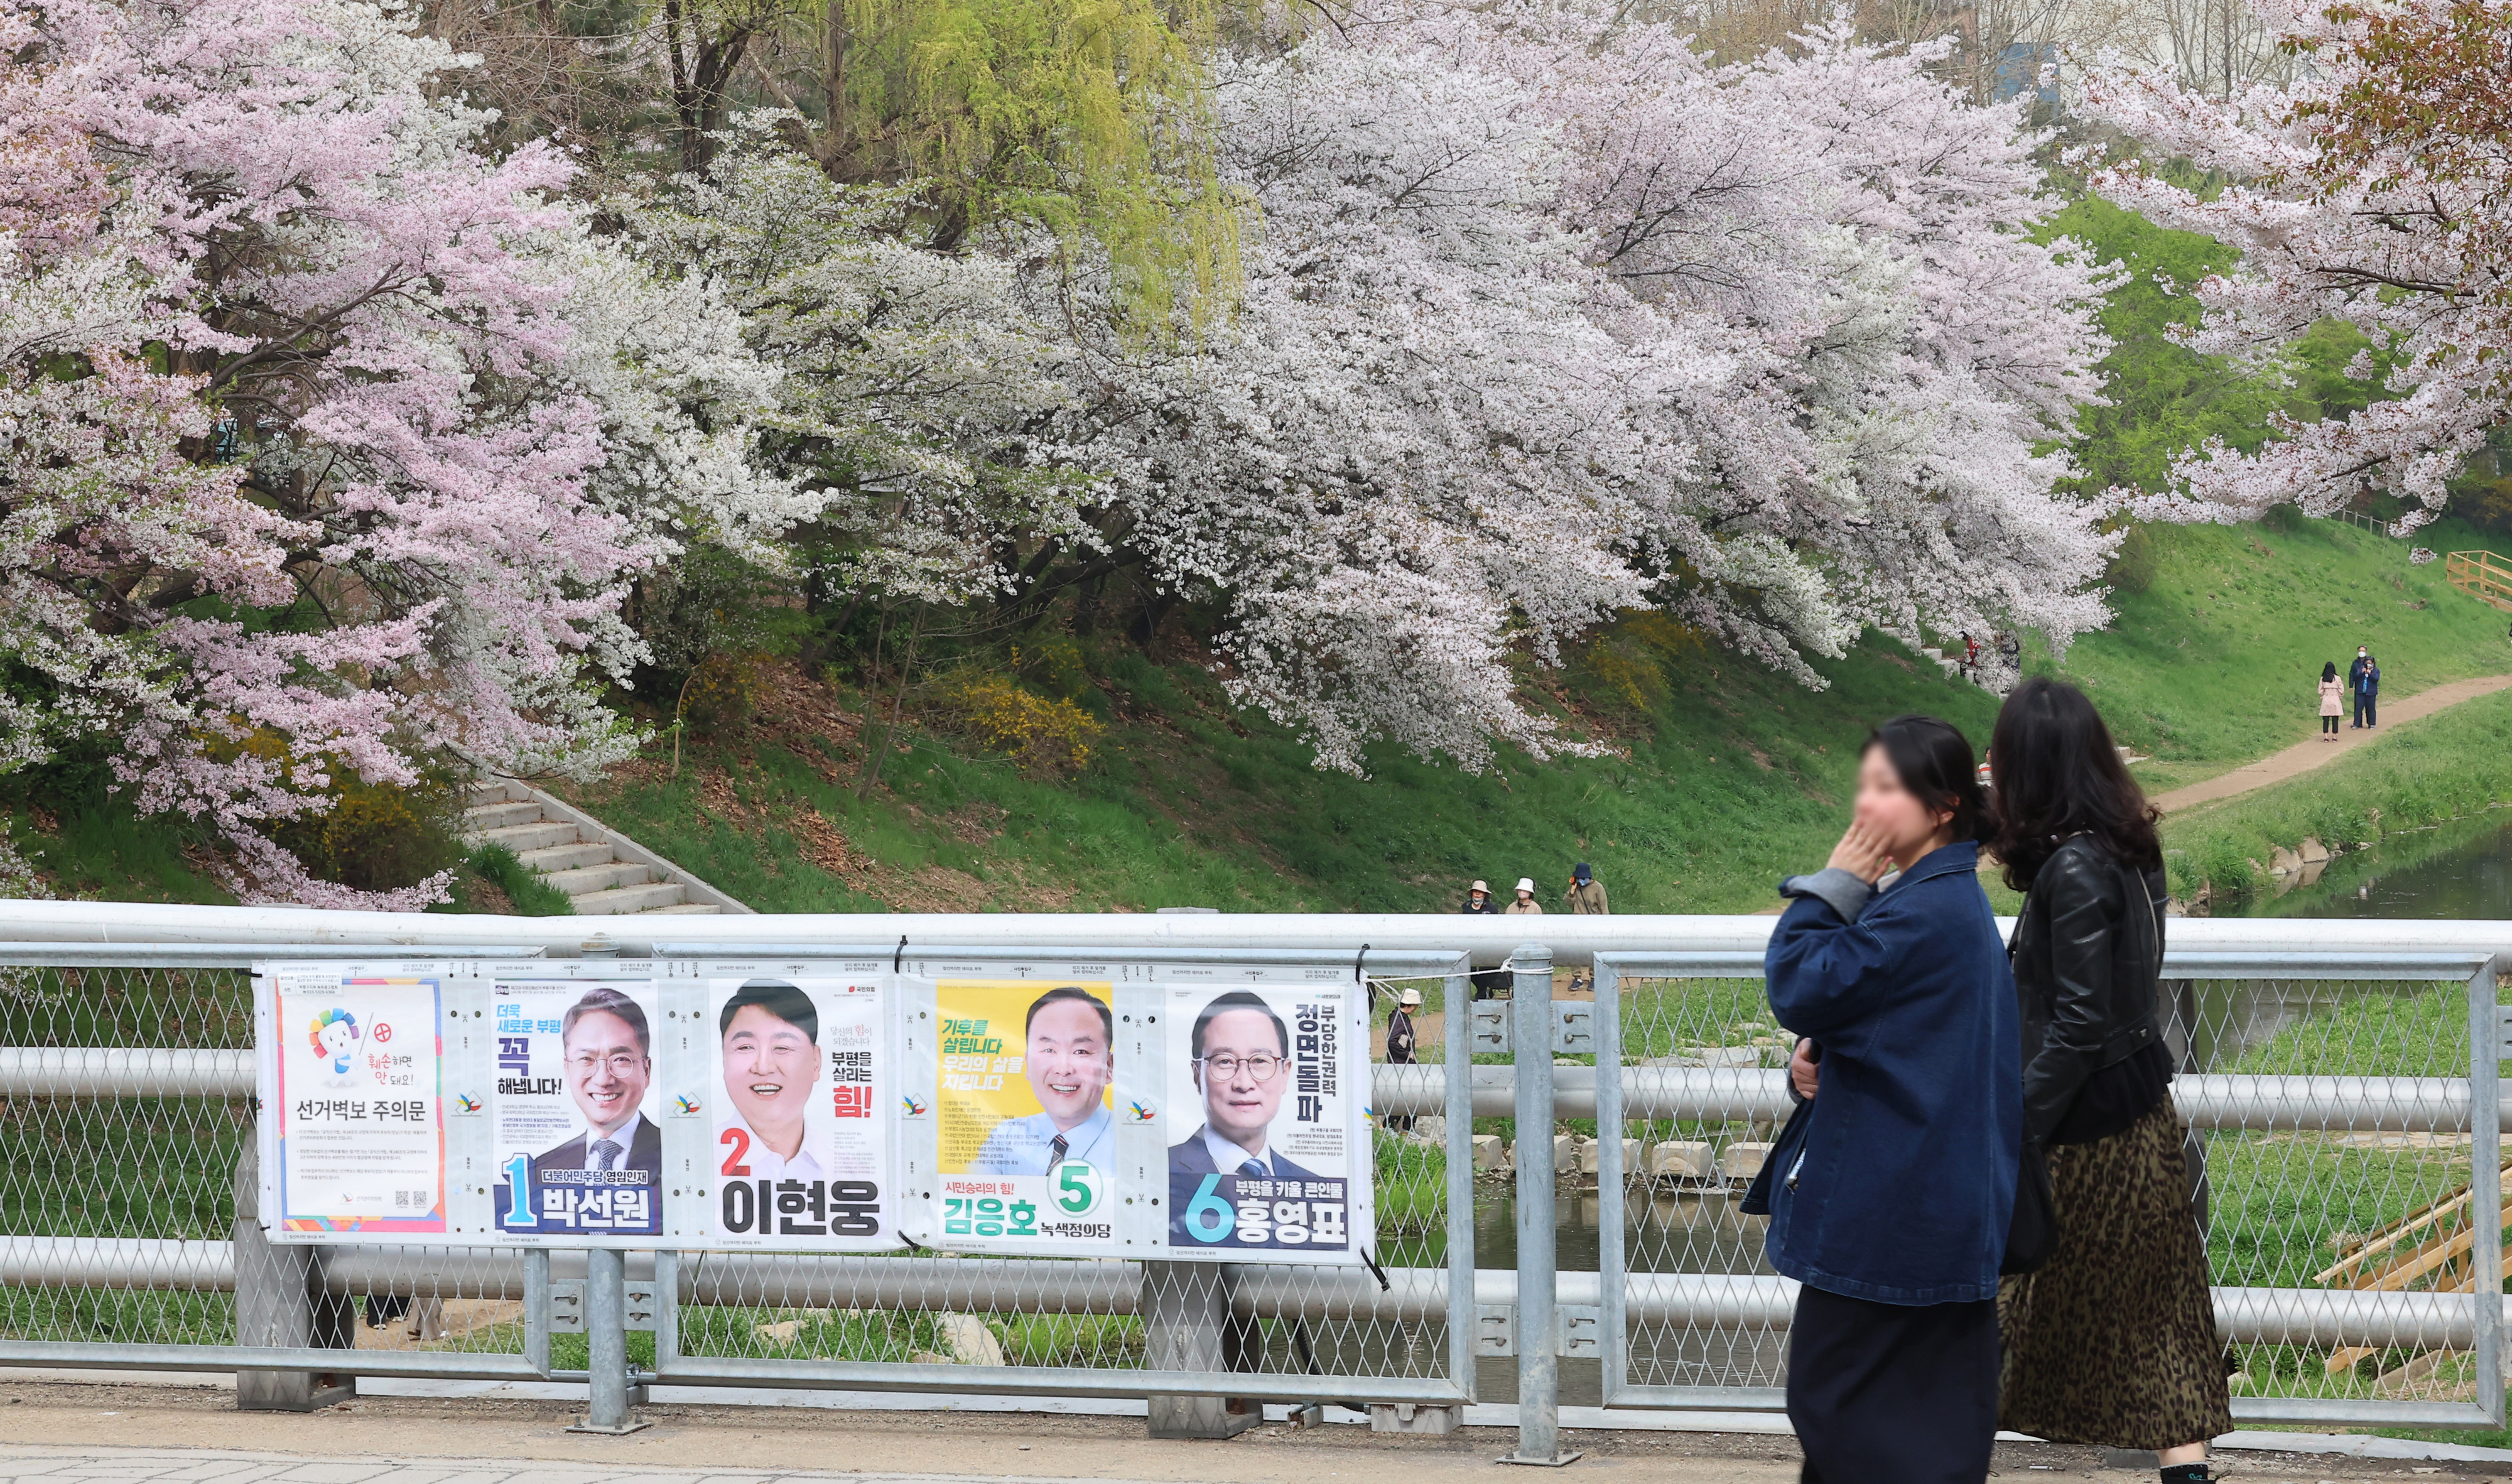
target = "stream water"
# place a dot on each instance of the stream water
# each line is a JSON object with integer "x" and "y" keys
{"x": 2460, "y": 870}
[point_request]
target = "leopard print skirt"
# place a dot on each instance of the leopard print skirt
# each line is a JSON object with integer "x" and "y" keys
{"x": 2113, "y": 1341}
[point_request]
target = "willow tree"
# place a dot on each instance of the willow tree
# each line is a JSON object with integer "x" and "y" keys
{"x": 1089, "y": 119}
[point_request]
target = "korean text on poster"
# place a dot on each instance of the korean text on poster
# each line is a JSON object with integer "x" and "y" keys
{"x": 1024, "y": 1115}
{"x": 578, "y": 1152}
{"x": 801, "y": 1149}
{"x": 1265, "y": 1161}
{"x": 357, "y": 1073}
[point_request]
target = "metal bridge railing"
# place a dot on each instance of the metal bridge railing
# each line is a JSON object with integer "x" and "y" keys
{"x": 2343, "y": 1103}
{"x": 2328, "y": 1097}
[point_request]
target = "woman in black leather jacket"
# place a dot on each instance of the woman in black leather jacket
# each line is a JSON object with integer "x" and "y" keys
{"x": 2112, "y": 1341}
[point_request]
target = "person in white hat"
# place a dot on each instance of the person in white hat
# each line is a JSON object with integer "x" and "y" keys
{"x": 1399, "y": 1047}
{"x": 1526, "y": 906}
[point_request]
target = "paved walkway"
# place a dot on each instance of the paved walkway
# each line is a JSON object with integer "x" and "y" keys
{"x": 2303, "y": 757}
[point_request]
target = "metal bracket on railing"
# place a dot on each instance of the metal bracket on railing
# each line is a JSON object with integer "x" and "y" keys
{"x": 641, "y": 1306}
{"x": 2503, "y": 1034}
{"x": 1495, "y": 1330}
{"x": 1579, "y": 1334}
{"x": 1491, "y": 1028}
{"x": 566, "y": 1306}
{"x": 1574, "y": 1028}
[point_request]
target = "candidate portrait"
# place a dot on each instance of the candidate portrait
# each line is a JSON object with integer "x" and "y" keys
{"x": 608, "y": 1058}
{"x": 769, "y": 1031}
{"x": 1069, "y": 1055}
{"x": 1242, "y": 1059}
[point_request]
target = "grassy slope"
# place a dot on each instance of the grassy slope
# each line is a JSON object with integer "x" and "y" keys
{"x": 1185, "y": 802}
{"x": 1736, "y": 778}
{"x": 2219, "y": 661}
{"x": 1189, "y": 803}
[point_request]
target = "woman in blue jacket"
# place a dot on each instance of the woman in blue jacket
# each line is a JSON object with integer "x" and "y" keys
{"x": 1891, "y": 1190}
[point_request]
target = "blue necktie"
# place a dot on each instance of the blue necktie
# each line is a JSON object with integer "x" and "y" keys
{"x": 610, "y": 1153}
{"x": 1253, "y": 1168}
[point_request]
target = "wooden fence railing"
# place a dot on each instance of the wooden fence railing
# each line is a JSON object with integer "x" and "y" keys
{"x": 2482, "y": 575}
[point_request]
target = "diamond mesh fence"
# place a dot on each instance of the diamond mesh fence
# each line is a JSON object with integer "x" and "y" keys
{"x": 120, "y": 1204}
{"x": 1085, "y": 1314}
{"x": 2330, "y": 1161}
{"x": 2330, "y": 1166}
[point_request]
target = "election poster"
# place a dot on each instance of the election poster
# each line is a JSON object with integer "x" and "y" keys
{"x": 1025, "y": 1115}
{"x": 578, "y": 1151}
{"x": 1266, "y": 1159}
{"x": 352, "y": 1067}
{"x": 802, "y": 1087}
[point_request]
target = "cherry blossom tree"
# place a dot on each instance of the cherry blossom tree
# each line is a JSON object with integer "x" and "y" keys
{"x": 2372, "y": 189}
{"x": 1547, "y": 318}
{"x": 331, "y": 440}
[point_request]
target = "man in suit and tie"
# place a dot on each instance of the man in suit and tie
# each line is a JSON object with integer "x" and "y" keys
{"x": 1242, "y": 1062}
{"x": 608, "y": 1055}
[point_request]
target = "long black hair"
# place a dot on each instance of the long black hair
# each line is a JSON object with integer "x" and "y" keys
{"x": 1935, "y": 762}
{"x": 2329, "y": 671}
{"x": 2057, "y": 774}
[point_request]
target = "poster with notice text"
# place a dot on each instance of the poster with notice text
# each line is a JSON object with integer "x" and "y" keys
{"x": 1267, "y": 1158}
{"x": 579, "y": 1150}
{"x": 802, "y": 1091}
{"x": 352, "y": 1068}
{"x": 1025, "y": 1116}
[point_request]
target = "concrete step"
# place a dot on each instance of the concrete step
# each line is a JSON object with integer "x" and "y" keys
{"x": 497, "y": 790}
{"x": 1932, "y": 652}
{"x": 558, "y": 858}
{"x": 684, "y": 909}
{"x": 535, "y": 837}
{"x": 496, "y": 816}
{"x": 626, "y": 900}
{"x": 584, "y": 881}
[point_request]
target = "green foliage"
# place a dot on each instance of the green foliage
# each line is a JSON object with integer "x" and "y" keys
{"x": 2133, "y": 565}
{"x": 378, "y": 836}
{"x": 710, "y": 601}
{"x": 1087, "y": 116}
{"x": 2161, "y": 397}
{"x": 531, "y": 892}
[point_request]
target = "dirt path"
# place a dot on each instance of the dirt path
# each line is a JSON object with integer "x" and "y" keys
{"x": 2303, "y": 757}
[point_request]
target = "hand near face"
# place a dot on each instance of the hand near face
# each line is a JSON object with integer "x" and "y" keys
{"x": 1863, "y": 852}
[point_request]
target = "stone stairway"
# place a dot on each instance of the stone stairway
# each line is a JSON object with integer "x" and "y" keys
{"x": 603, "y": 872}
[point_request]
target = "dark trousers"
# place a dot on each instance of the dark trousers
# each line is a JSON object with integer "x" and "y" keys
{"x": 2329, "y": 724}
{"x": 2364, "y": 709}
{"x": 1890, "y": 1393}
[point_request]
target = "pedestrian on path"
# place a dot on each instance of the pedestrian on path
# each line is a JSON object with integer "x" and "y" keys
{"x": 1479, "y": 904}
{"x": 1399, "y": 1049}
{"x": 1890, "y": 1191}
{"x": 2331, "y": 702}
{"x": 1526, "y": 906}
{"x": 2368, "y": 693}
{"x": 2355, "y": 685}
{"x": 1587, "y": 894}
{"x": 2112, "y": 1341}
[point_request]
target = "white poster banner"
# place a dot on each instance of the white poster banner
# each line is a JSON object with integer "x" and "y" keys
{"x": 575, "y": 1110}
{"x": 352, "y": 1070}
{"x": 803, "y": 1087}
{"x": 1268, "y": 1152}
